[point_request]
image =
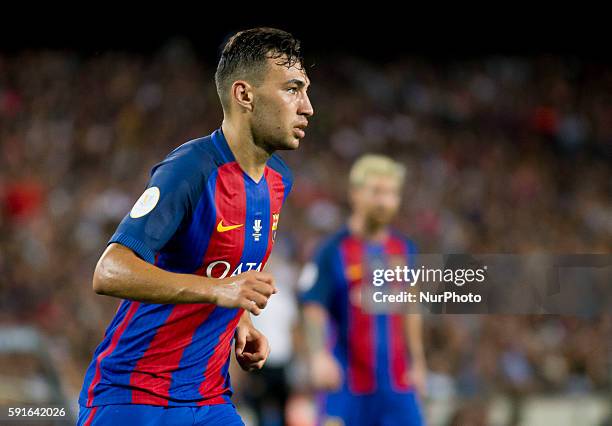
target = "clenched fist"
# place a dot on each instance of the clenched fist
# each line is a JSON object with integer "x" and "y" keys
{"x": 249, "y": 290}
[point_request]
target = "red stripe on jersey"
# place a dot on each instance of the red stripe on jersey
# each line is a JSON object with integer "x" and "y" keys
{"x": 276, "y": 189}
{"x": 395, "y": 246}
{"x": 115, "y": 339}
{"x": 214, "y": 401}
{"x": 154, "y": 369}
{"x": 90, "y": 418}
{"x": 398, "y": 358}
{"x": 361, "y": 327}
{"x": 230, "y": 201}
{"x": 214, "y": 380}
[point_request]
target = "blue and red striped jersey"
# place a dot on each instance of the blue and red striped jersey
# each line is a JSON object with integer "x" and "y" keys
{"x": 200, "y": 214}
{"x": 371, "y": 348}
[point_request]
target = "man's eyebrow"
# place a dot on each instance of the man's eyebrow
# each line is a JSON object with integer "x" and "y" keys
{"x": 297, "y": 82}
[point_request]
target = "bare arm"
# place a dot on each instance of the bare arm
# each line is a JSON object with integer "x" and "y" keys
{"x": 315, "y": 318}
{"x": 121, "y": 273}
{"x": 414, "y": 331}
{"x": 414, "y": 326}
{"x": 325, "y": 370}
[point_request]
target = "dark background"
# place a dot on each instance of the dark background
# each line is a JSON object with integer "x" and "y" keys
{"x": 381, "y": 33}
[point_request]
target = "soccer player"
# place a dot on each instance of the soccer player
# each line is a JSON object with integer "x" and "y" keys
{"x": 188, "y": 258}
{"x": 371, "y": 366}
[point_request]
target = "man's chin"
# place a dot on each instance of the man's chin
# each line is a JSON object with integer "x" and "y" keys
{"x": 289, "y": 145}
{"x": 381, "y": 220}
{"x": 295, "y": 143}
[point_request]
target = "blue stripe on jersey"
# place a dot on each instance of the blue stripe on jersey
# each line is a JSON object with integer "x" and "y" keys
{"x": 257, "y": 208}
{"x": 381, "y": 336}
{"x": 376, "y": 257}
{"x": 411, "y": 252}
{"x": 340, "y": 305}
{"x": 287, "y": 184}
{"x": 196, "y": 356}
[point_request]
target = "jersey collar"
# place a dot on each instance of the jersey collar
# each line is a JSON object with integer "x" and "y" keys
{"x": 222, "y": 146}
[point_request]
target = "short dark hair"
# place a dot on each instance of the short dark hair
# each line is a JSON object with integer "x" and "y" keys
{"x": 245, "y": 55}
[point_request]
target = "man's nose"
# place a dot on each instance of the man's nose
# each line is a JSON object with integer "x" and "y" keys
{"x": 306, "y": 107}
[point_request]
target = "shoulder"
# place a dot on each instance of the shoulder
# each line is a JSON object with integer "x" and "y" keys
{"x": 321, "y": 269}
{"x": 192, "y": 160}
{"x": 329, "y": 246}
{"x": 277, "y": 164}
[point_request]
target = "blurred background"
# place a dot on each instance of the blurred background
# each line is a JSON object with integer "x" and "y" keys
{"x": 508, "y": 146}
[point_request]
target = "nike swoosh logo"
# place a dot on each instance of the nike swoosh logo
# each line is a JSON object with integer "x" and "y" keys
{"x": 221, "y": 228}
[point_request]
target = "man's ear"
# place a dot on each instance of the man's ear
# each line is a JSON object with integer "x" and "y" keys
{"x": 242, "y": 94}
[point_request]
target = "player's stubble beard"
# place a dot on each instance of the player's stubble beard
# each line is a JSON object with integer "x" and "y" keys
{"x": 378, "y": 218}
{"x": 270, "y": 132}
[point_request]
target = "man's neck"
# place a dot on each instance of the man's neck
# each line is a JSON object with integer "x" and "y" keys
{"x": 367, "y": 230}
{"x": 250, "y": 157}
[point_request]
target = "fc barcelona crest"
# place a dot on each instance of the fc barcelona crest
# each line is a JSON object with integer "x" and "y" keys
{"x": 275, "y": 217}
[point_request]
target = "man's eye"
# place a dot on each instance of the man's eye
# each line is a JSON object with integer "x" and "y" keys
{"x": 292, "y": 90}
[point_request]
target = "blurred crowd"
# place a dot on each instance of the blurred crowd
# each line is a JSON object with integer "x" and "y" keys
{"x": 504, "y": 155}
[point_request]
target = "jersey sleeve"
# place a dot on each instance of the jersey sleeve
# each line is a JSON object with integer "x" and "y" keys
{"x": 317, "y": 283}
{"x": 171, "y": 194}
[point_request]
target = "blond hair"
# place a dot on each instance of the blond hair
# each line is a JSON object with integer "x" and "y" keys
{"x": 375, "y": 165}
